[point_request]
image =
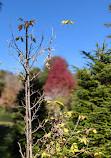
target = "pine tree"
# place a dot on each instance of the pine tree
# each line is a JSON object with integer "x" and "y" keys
{"x": 94, "y": 97}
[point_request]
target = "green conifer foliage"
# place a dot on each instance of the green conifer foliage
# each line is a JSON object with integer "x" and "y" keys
{"x": 94, "y": 97}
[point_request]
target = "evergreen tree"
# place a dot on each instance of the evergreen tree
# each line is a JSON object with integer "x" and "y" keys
{"x": 94, "y": 98}
{"x": 2, "y": 80}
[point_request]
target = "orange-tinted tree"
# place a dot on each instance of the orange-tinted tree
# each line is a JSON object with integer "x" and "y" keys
{"x": 12, "y": 86}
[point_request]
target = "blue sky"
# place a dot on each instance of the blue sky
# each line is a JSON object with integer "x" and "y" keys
{"x": 88, "y": 17}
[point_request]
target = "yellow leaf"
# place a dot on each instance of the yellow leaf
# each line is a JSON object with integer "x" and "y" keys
{"x": 48, "y": 101}
{"x": 58, "y": 102}
{"x": 78, "y": 132}
{"x": 82, "y": 117}
{"x": 67, "y": 22}
{"x": 87, "y": 132}
{"x": 76, "y": 150}
{"x": 96, "y": 155}
{"x": 52, "y": 118}
{"x": 66, "y": 130}
{"x": 74, "y": 147}
{"x": 84, "y": 140}
{"x": 52, "y": 143}
{"x": 44, "y": 59}
{"x": 62, "y": 124}
{"x": 69, "y": 113}
{"x": 101, "y": 154}
{"x": 94, "y": 130}
{"x": 63, "y": 22}
{"x": 46, "y": 120}
{"x": 45, "y": 154}
{"x": 21, "y": 55}
{"x": 64, "y": 139}
{"x": 47, "y": 135}
{"x": 58, "y": 149}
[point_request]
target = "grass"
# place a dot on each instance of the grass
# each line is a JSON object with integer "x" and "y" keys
{"x": 6, "y": 133}
{"x": 6, "y": 123}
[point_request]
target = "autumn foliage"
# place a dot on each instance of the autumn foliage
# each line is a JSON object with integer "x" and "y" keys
{"x": 60, "y": 81}
{"x": 12, "y": 85}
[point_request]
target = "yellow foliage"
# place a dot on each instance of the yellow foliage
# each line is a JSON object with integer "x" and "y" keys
{"x": 69, "y": 113}
{"x": 52, "y": 118}
{"x": 58, "y": 102}
{"x": 78, "y": 132}
{"x": 96, "y": 155}
{"x": 44, "y": 59}
{"x": 46, "y": 120}
{"x": 94, "y": 130}
{"x": 47, "y": 135}
{"x": 82, "y": 117}
{"x": 21, "y": 54}
{"x": 87, "y": 132}
{"x": 74, "y": 147}
{"x": 65, "y": 130}
{"x": 91, "y": 129}
{"x": 62, "y": 124}
{"x": 45, "y": 155}
{"x": 58, "y": 149}
{"x": 48, "y": 101}
{"x": 84, "y": 140}
{"x": 67, "y": 22}
{"x": 64, "y": 139}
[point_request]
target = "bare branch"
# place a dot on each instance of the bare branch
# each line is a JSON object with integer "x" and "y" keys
{"x": 34, "y": 76}
{"x": 38, "y": 102}
{"x": 14, "y": 39}
{"x": 20, "y": 150}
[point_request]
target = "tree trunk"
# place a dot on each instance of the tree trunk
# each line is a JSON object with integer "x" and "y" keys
{"x": 28, "y": 106}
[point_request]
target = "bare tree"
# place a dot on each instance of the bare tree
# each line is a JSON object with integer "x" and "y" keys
{"x": 27, "y": 58}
